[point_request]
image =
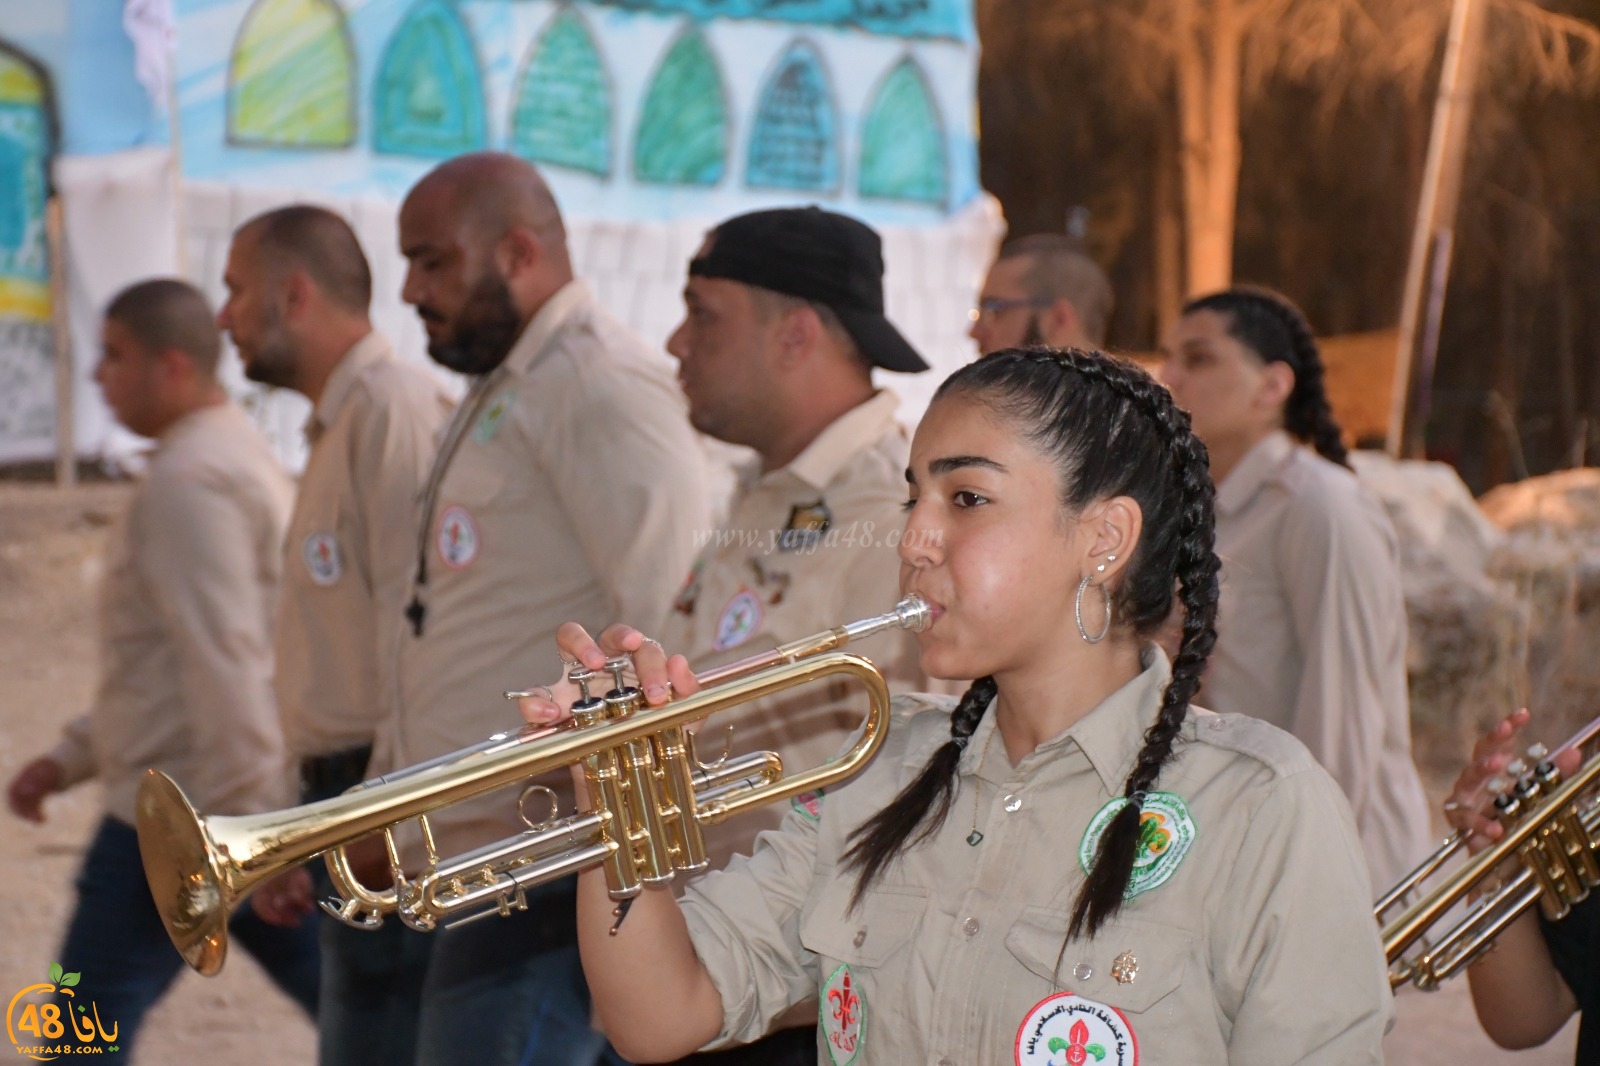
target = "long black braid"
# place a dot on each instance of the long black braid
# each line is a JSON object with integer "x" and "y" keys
{"x": 1270, "y": 325}
{"x": 1112, "y": 432}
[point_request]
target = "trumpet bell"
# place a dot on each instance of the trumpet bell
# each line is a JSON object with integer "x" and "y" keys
{"x": 179, "y": 862}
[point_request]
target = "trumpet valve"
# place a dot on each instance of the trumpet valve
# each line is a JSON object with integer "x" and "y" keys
{"x": 1507, "y": 807}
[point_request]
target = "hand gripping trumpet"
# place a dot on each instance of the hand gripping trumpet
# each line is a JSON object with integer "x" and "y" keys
{"x": 650, "y": 798}
{"x": 1546, "y": 856}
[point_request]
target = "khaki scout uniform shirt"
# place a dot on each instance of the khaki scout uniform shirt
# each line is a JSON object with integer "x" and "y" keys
{"x": 186, "y": 627}
{"x": 573, "y": 495}
{"x": 806, "y": 548}
{"x": 1311, "y": 636}
{"x": 351, "y": 547}
{"x": 1258, "y": 948}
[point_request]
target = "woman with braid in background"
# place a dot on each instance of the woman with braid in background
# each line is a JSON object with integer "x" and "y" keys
{"x": 1070, "y": 864}
{"x": 1311, "y": 633}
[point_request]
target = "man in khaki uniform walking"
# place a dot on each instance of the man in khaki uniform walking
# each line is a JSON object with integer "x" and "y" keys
{"x": 186, "y": 682}
{"x": 569, "y": 486}
{"x": 299, "y": 289}
{"x": 784, "y": 324}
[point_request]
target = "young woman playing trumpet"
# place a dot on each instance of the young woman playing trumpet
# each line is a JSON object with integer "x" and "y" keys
{"x": 1067, "y": 864}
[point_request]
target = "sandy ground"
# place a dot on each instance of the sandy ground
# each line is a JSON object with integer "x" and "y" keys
{"x": 51, "y": 546}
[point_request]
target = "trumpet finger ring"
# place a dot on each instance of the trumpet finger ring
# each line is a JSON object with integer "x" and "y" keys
{"x": 657, "y": 643}
{"x": 537, "y": 690}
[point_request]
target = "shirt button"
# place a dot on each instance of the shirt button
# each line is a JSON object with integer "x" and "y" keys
{"x": 861, "y": 937}
{"x": 1216, "y": 722}
{"x": 946, "y": 1062}
{"x": 971, "y": 926}
{"x": 1083, "y": 971}
{"x": 1013, "y": 804}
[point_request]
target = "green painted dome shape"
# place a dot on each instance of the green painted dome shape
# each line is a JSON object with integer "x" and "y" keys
{"x": 902, "y": 141}
{"x": 682, "y": 136}
{"x": 428, "y": 98}
{"x": 291, "y": 79}
{"x": 562, "y": 109}
{"x": 794, "y": 143}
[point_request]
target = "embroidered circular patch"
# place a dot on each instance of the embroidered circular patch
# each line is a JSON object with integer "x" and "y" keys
{"x": 739, "y": 619}
{"x": 321, "y": 554}
{"x": 843, "y": 1014}
{"x": 1165, "y": 833}
{"x": 1068, "y": 1030}
{"x": 458, "y": 538}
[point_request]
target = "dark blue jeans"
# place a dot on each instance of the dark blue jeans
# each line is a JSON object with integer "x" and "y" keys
{"x": 498, "y": 992}
{"x": 116, "y": 939}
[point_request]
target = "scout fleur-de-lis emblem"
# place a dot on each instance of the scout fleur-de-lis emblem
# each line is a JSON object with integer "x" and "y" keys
{"x": 844, "y": 1003}
{"x": 1124, "y": 968}
{"x": 1079, "y": 1050}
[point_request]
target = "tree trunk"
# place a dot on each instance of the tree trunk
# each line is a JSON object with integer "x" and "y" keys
{"x": 1208, "y": 120}
{"x": 1167, "y": 215}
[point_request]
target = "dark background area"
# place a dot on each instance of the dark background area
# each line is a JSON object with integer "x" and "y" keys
{"x": 1328, "y": 187}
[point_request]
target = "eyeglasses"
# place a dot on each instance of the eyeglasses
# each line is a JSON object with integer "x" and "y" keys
{"x": 992, "y": 307}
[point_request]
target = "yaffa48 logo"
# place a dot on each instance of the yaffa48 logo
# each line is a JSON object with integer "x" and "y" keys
{"x": 34, "y": 1020}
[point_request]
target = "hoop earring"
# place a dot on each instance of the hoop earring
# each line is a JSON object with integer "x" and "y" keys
{"x": 1077, "y": 610}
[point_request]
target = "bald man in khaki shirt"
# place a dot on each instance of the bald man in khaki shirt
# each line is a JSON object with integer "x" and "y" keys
{"x": 569, "y": 486}
{"x": 1255, "y": 944}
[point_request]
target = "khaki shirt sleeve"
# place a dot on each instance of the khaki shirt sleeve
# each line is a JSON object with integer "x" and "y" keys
{"x": 75, "y": 753}
{"x": 1343, "y": 587}
{"x": 200, "y": 553}
{"x": 745, "y": 925}
{"x": 1297, "y": 994}
{"x": 631, "y": 480}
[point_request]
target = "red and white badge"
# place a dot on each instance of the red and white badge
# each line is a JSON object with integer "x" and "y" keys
{"x": 738, "y": 621}
{"x": 458, "y": 538}
{"x": 1068, "y": 1030}
{"x": 843, "y": 1013}
{"x": 321, "y": 555}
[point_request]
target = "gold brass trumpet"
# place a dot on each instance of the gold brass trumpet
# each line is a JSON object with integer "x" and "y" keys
{"x": 650, "y": 798}
{"x": 1547, "y": 856}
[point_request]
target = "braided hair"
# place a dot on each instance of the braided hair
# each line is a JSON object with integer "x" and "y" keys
{"x": 1111, "y": 431}
{"x": 1274, "y": 329}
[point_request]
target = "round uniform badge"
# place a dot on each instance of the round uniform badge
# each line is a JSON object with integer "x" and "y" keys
{"x": 1067, "y": 1030}
{"x": 844, "y": 1017}
{"x": 1165, "y": 832}
{"x": 321, "y": 555}
{"x": 809, "y": 804}
{"x": 738, "y": 621}
{"x": 458, "y": 538}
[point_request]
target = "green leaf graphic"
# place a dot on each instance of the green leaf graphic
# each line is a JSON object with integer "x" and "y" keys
{"x": 68, "y": 980}
{"x": 83, "y": 1010}
{"x": 55, "y": 973}
{"x": 1097, "y": 1051}
{"x": 1057, "y": 1044}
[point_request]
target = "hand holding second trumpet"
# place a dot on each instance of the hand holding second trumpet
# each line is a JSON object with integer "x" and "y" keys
{"x": 1467, "y": 806}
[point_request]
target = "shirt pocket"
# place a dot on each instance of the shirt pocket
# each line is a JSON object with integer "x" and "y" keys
{"x": 1131, "y": 964}
{"x": 473, "y": 483}
{"x": 870, "y": 935}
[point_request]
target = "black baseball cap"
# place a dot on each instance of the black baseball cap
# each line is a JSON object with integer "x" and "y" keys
{"x": 817, "y": 255}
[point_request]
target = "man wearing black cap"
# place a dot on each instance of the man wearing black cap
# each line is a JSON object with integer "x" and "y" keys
{"x": 784, "y": 324}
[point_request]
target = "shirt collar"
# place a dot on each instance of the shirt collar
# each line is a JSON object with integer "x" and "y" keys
{"x": 546, "y": 322}
{"x": 371, "y": 349}
{"x": 1110, "y": 736}
{"x": 850, "y": 433}
{"x": 1259, "y": 464}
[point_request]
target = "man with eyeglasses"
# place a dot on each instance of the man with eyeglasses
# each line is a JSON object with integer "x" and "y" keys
{"x": 1042, "y": 289}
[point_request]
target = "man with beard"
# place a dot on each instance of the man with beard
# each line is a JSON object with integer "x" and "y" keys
{"x": 299, "y": 290}
{"x": 185, "y": 687}
{"x": 1042, "y": 289}
{"x": 569, "y": 486}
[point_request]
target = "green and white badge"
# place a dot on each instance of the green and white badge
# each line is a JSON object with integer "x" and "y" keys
{"x": 490, "y": 420}
{"x": 1165, "y": 832}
